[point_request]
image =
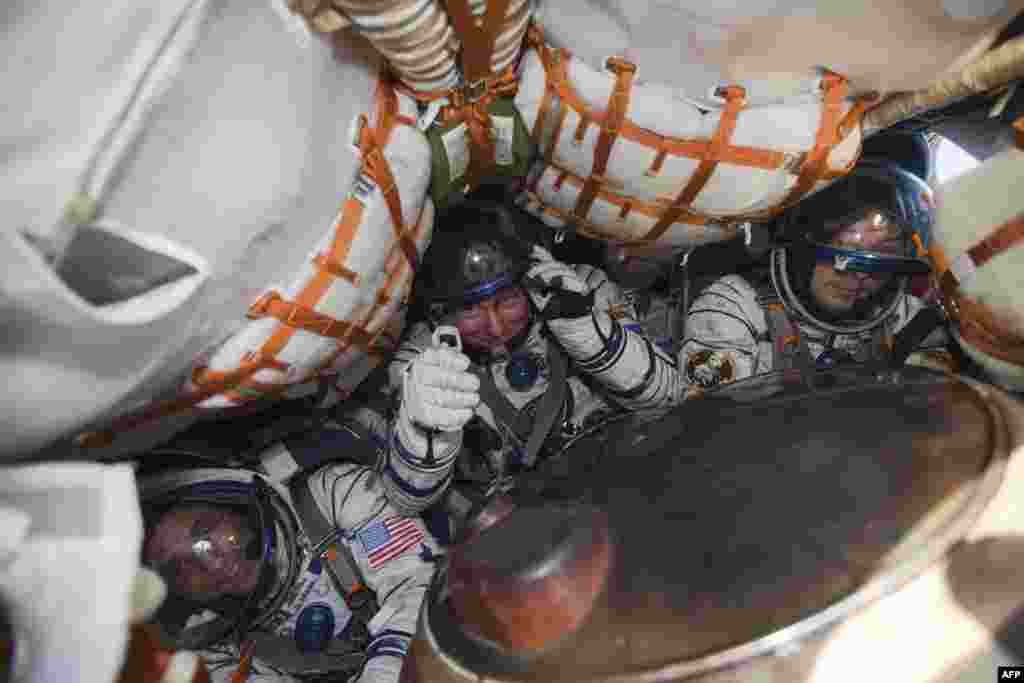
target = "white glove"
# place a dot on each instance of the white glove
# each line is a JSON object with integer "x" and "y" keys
{"x": 553, "y": 284}
{"x": 438, "y": 392}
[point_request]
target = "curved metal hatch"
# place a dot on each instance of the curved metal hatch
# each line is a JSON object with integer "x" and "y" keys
{"x": 761, "y": 513}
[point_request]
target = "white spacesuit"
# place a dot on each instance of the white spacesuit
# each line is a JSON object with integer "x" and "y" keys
{"x": 248, "y": 561}
{"x": 548, "y": 349}
{"x": 837, "y": 291}
{"x": 729, "y": 335}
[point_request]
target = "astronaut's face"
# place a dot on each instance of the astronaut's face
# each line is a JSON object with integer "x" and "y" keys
{"x": 205, "y": 552}
{"x": 838, "y": 291}
{"x": 492, "y": 323}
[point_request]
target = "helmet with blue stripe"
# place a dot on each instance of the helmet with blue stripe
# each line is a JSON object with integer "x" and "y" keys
{"x": 876, "y": 221}
{"x": 477, "y": 250}
{"x": 226, "y": 543}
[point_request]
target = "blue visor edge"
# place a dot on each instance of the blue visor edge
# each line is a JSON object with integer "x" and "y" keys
{"x": 487, "y": 289}
{"x": 846, "y": 260}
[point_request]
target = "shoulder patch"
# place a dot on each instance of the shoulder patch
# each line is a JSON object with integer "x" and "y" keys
{"x": 384, "y": 540}
{"x": 707, "y": 368}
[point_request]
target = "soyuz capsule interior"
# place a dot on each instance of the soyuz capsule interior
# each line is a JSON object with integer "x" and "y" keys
{"x": 446, "y": 341}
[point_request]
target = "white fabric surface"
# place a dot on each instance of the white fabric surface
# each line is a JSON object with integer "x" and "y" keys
{"x": 770, "y": 46}
{"x": 208, "y": 130}
{"x": 787, "y": 126}
{"x": 374, "y": 255}
{"x": 970, "y": 207}
{"x": 68, "y": 573}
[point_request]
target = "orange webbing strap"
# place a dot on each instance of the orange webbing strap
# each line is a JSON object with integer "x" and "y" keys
{"x": 469, "y": 105}
{"x": 625, "y": 205}
{"x": 535, "y": 36}
{"x": 535, "y": 39}
{"x": 472, "y": 112}
{"x": 978, "y": 326}
{"x": 421, "y": 96}
{"x": 387, "y": 118}
{"x": 816, "y": 162}
{"x": 501, "y": 84}
{"x": 477, "y": 43}
{"x": 659, "y": 161}
{"x": 1018, "y": 127}
{"x": 481, "y": 135}
{"x": 853, "y": 118}
{"x": 331, "y": 263}
{"x": 337, "y": 270}
{"x": 537, "y": 134}
{"x": 372, "y": 142}
{"x": 382, "y": 299}
{"x": 922, "y": 252}
{"x": 211, "y": 383}
{"x": 241, "y": 674}
{"x": 851, "y": 121}
{"x": 618, "y": 105}
{"x": 300, "y": 317}
{"x": 556, "y": 71}
{"x": 735, "y": 100}
{"x": 471, "y": 109}
{"x": 299, "y": 312}
{"x": 377, "y": 167}
{"x": 380, "y": 347}
{"x": 387, "y": 115}
{"x": 1001, "y": 239}
{"x": 549, "y": 150}
{"x": 345, "y": 233}
{"x": 184, "y": 402}
{"x": 976, "y": 322}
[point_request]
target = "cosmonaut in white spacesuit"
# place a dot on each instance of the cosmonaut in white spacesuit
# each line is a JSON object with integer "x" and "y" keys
{"x": 275, "y": 563}
{"x": 546, "y": 349}
{"x": 838, "y": 286}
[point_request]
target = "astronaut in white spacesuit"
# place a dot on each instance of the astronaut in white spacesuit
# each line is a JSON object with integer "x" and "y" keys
{"x": 838, "y": 287}
{"x": 546, "y": 350}
{"x": 276, "y": 564}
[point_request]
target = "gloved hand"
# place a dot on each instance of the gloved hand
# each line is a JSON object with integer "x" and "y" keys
{"x": 556, "y": 289}
{"x": 438, "y": 391}
{"x": 608, "y": 297}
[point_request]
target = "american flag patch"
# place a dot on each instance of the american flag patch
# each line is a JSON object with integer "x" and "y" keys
{"x": 387, "y": 539}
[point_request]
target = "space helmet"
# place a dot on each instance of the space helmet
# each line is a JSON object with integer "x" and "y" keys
{"x": 478, "y": 249}
{"x": 227, "y": 545}
{"x": 875, "y": 221}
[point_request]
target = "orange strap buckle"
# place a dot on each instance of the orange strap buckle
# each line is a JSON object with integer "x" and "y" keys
{"x": 475, "y": 91}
